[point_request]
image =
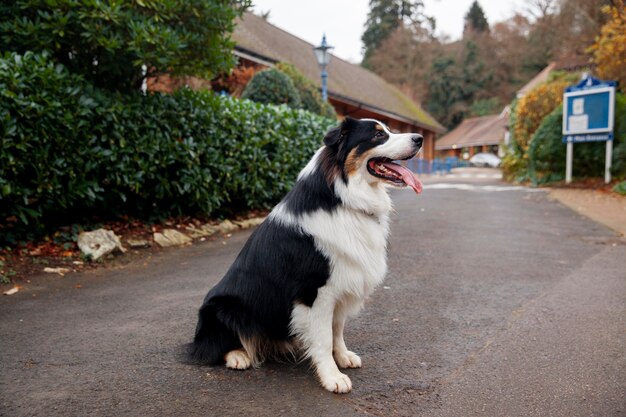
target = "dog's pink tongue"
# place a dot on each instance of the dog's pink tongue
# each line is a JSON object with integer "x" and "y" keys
{"x": 407, "y": 176}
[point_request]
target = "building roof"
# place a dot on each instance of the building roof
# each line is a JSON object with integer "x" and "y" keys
{"x": 536, "y": 80}
{"x": 475, "y": 131}
{"x": 265, "y": 43}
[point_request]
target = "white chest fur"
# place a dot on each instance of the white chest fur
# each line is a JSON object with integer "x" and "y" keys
{"x": 355, "y": 244}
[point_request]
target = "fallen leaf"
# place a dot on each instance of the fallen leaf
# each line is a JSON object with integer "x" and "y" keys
{"x": 12, "y": 291}
{"x": 78, "y": 286}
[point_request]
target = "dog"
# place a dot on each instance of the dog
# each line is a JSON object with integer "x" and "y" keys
{"x": 314, "y": 260}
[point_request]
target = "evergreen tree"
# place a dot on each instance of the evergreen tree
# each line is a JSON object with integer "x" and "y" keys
{"x": 445, "y": 91}
{"x": 454, "y": 86}
{"x": 475, "y": 20}
{"x": 476, "y": 77}
{"x": 387, "y": 15}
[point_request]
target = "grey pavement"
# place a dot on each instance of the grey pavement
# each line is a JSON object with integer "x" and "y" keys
{"x": 498, "y": 302}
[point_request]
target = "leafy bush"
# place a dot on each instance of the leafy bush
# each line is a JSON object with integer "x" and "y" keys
{"x": 310, "y": 97}
{"x": 547, "y": 150}
{"x": 271, "y": 86}
{"x": 235, "y": 82}
{"x": 515, "y": 161}
{"x": 108, "y": 42}
{"x": 620, "y": 188}
{"x": 70, "y": 150}
{"x": 537, "y": 104}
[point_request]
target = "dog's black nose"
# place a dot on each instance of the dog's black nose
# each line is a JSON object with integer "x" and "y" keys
{"x": 417, "y": 139}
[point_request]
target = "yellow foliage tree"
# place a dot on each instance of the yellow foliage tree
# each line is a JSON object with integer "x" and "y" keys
{"x": 609, "y": 50}
{"x": 528, "y": 115}
{"x": 536, "y": 105}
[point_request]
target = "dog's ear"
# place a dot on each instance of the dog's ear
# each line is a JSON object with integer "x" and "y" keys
{"x": 333, "y": 136}
{"x": 337, "y": 134}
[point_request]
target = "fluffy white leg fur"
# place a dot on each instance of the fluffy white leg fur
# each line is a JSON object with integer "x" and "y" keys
{"x": 343, "y": 357}
{"x": 314, "y": 327}
{"x": 238, "y": 359}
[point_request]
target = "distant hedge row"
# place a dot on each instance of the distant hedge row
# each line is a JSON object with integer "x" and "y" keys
{"x": 70, "y": 150}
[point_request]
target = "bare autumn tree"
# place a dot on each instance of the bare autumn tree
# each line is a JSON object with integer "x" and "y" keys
{"x": 450, "y": 80}
{"x": 404, "y": 59}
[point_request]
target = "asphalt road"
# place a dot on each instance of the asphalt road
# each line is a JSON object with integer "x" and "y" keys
{"x": 498, "y": 302}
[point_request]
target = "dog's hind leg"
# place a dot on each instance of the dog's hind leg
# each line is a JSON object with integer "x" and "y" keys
{"x": 314, "y": 327}
{"x": 343, "y": 357}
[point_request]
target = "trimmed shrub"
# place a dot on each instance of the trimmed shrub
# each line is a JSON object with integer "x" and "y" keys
{"x": 271, "y": 86}
{"x": 70, "y": 151}
{"x": 311, "y": 98}
{"x": 547, "y": 150}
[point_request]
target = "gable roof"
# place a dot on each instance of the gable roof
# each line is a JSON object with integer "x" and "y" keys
{"x": 536, "y": 80}
{"x": 475, "y": 131}
{"x": 257, "y": 38}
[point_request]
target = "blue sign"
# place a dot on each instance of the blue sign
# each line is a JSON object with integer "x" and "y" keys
{"x": 588, "y": 111}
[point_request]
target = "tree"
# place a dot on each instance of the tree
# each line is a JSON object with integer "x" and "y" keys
{"x": 484, "y": 107}
{"x": 475, "y": 76}
{"x": 475, "y": 20}
{"x": 310, "y": 96}
{"x": 385, "y": 16}
{"x": 404, "y": 58}
{"x": 116, "y": 44}
{"x": 272, "y": 86}
{"x": 609, "y": 50}
{"x": 445, "y": 91}
{"x": 455, "y": 82}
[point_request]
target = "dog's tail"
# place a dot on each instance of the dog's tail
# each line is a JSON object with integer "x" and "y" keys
{"x": 212, "y": 340}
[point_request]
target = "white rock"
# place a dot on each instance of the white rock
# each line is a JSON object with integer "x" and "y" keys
{"x": 171, "y": 237}
{"x": 12, "y": 291}
{"x": 248, "y": 223}
{"x": 137, "y": 243}
{"x": 60, "y": 271}
{"x": 202, "y": 231}
{"x": 99, "y": 243}
{"x": 227, "y": 227}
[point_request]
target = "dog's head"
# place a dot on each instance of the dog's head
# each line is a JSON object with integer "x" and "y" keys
{"x": 367, "y": 148}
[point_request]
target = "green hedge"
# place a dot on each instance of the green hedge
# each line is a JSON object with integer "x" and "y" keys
{"x": 70, "y": 151}
{"x": 310, "y": 97}
{"x": 272, "y": 86}
{"x": 547, "y": 150}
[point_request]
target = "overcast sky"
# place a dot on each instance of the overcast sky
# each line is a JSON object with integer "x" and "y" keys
{"x": 343, "y": 20}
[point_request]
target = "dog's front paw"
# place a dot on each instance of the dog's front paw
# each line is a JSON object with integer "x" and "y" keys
{"x": 347, "y": 359}
{"x": 337, "y": 383}
{"x": 237, "y": 359}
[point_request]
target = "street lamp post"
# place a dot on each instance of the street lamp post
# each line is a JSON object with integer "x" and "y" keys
{"x": 322, "y": 54}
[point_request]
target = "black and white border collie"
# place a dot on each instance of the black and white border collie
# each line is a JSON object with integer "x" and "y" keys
{"x": 313, "y": 261}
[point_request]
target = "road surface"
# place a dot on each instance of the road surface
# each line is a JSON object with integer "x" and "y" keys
{"x": 498, "y": 302}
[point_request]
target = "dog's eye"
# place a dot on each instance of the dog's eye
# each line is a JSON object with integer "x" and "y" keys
{"x": 380, "y": 134}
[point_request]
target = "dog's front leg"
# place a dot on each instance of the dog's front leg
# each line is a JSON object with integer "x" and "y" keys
{"x": 314, "y": 326}
{"x": 343, "y": 357}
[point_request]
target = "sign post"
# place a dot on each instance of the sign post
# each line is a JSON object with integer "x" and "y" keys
{"x": 588, "y": 115}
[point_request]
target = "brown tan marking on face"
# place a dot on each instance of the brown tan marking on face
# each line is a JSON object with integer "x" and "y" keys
{"x": 354, "y": 161}
{"x": 379, "y": 127}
